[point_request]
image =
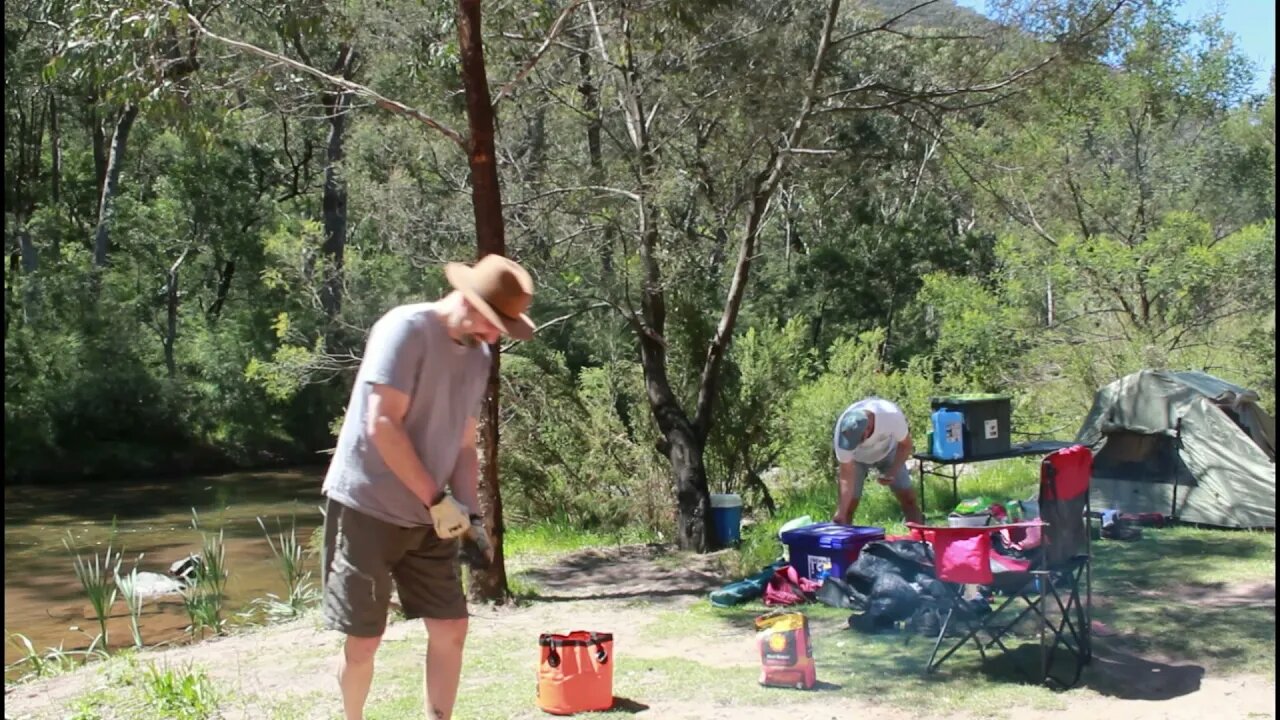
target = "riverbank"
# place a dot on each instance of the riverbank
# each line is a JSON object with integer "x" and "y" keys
{"x": 1183, "y": 641}
{"x": 149, "y": 524}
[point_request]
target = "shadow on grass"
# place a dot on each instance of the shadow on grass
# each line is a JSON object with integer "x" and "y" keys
{"x": 626, "y": 705}
{"x": 624, "y": 572}
{"x": 1118, "y": 673}
{"x": 539, "y": 597}
{"x": 1166, "y": 595}
{"x": 1164, "y": 557}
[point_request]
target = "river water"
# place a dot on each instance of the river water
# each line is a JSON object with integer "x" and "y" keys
{"x": 44, "y": 601}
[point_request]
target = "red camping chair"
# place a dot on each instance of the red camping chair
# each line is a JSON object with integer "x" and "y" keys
{"x": 1046, "y": 583}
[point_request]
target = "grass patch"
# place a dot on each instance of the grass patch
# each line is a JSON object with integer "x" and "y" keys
{"x": 1169, "y": 591}
{"x": 179, "y": 693}
{"x": 34, "y": 664}
{"x": 888, "y": 669}
{"x": 135, "y": 690}
{"x": 546, "y": 539}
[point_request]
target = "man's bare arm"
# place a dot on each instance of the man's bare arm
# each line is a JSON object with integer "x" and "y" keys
{"x": 904, "y": 451}
{"x": 465, "y": 479}
{"x": 844, "y": 509}
{"x": 384, "y": 424}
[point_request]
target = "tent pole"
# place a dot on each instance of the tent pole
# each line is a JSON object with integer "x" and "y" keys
{"x": 1177, "y": 439}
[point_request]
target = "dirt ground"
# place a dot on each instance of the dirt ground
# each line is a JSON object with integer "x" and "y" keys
{"x": 619, "y": 588}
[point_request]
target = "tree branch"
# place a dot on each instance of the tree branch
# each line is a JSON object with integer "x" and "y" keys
{"x": 766, "y": 183}
{"x": 537, "y": 55}
{"x": 352, "y": 87}
{"x": 884, "y": 25}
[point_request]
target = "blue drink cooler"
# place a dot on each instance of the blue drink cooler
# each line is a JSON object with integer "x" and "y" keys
{"x": 827, "y": 548}
{"x": 947, "y": 438}
{"x": 726, "y": 519}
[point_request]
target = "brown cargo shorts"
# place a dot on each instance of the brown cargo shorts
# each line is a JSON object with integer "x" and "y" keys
{"x": 362, "y": 555}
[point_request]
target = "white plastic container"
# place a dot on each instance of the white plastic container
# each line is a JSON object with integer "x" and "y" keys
{"x": 975, "y": 520}
{"x": 792, "y": 524}
{"x": 802, "y": 521}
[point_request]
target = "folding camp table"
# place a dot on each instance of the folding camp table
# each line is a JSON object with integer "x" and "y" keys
{"x": 947, "y": 468}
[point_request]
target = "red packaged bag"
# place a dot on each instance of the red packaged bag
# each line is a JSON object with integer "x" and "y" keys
{"x": 786, "y": 656}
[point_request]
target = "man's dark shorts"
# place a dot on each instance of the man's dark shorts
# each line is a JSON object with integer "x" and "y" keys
{"x": 362, "y": 555}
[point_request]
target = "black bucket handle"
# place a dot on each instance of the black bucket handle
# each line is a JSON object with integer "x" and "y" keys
{"x": 593, "y": 638}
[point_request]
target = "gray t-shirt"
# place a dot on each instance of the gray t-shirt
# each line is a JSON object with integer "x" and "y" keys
{"x": 409, "y": 349}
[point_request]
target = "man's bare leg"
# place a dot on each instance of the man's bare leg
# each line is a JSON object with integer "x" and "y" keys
{"x": 910, "y": 506}
{"x": 355, "y": 674}
{"x": 445, "y": 640}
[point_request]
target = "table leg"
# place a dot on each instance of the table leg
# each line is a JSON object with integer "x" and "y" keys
{"x": 922, "y": 487}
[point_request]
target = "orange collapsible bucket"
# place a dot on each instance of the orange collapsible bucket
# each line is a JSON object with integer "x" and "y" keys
{"x": 575, "y": 672}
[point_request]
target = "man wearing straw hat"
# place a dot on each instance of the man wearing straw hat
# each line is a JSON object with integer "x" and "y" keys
{"x": 402, "y": 486}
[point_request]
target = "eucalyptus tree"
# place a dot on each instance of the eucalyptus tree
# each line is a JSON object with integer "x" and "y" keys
{"x": 1136, "y": 203}
{"x": 476, "y": 145}
{"x": 690, "y": 122}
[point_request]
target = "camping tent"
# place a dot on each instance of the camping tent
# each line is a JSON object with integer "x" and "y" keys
{"x": 1184, "y": 444}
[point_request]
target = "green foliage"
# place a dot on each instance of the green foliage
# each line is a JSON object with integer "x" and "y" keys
{"x": 203, "y": 597}
{"x": 1113, "y": 210}
{"x": 95, "y": 576}
{"x": 180, "y": 693}
{"x": 767, "y": 368}
{"x": 854, "y": 371}
{"x": 581, "y": 452}
{"x": 979, "y": 338}
{"x": 35, "y": 664}
{"x": 291, "y": 558}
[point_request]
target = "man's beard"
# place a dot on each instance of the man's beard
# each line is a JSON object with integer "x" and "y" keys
{"x": 468, "y": 339}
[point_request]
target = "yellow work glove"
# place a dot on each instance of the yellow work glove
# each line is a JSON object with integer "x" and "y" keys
{"x": 449, "y": 516}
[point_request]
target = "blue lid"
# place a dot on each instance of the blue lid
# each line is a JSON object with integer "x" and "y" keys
{"x": 831, "y": 535}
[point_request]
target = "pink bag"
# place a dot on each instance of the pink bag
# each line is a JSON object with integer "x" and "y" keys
{"x": 787, "y": 587}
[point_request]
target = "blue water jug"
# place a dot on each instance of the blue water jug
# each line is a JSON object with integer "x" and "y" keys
{"x": 948, "y": 434}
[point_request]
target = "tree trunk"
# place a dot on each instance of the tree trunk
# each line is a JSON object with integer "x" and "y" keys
{"x": 336, "y": 104}
{"x": 681, "y": 442}
{"x": 682, "y": 445}
{"x": 106, "y": 204}
{"x": 486, "y": 200}
{"x": 171, "y": 315}
{"x": 224, "y": 287}
{"x": 55, "y": 153}
{"x": 595, "y": 124}
{"x": 26, "y": 179}
{"x": 9, "y": 279}
{"x": 684, "y": 440}
{"x": 28, "y": 249}
{"x": 30, "y": 296}
{"x": 99, "y": 146}
{"x": 693, "y": 529}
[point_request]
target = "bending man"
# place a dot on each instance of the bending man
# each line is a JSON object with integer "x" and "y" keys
{"x": 872, "y": 433}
